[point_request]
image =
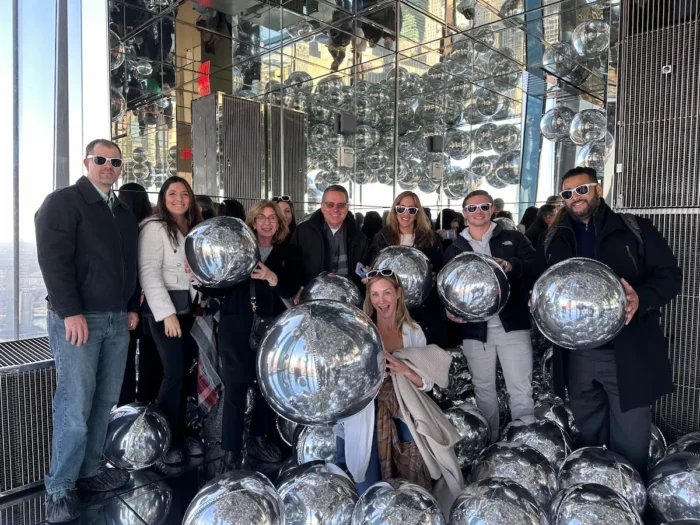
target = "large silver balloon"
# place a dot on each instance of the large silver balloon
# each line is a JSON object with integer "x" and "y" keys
{"x": 521, "y": 463}
{"x": 397, "y": 502}
{"x": 474, "y": 430}
{"x": 688, "y": 443}
{"x": 482, "y": 166}
{"x": 300, "y": 81}
{"x": 603, "y": 466}
{"x": 591, "y": 38}
{"x": 333, "y": 287}
{"x": 317, "y": 493}
{"x": 483, "y": 137}
{"x": 488, "y": 103}
{"x": 674, "y": 487}
{"x": 116, "y": 51}
{"x": 238, "y": 497}
{"x": 553, "y": 409}
{"x": 117, "y": 104}
{"x": 458, "y": 144}
{"x": 506, "y": 139}
{"x": 286, "y": 429}
{"x": 496, "y": 501}
{"x": 657, "y": 446}
{"x": 138, "y": 435}
{"x": 579, "y": 303}
{"x": 592, "y": 155}
{"x": 314, "y": 443}
{"x": 507, "y": 167}
{"x": 556, "y": 122}
{"x": 545, "y": 436}
{"x": 473, "y": 287}
{"x": 412, "y": 268}
{"x": 221, "y": 251}
{"x": 592, "y": 504}
{"x": 319, "y": 362}
{"x": 587, "y": 126}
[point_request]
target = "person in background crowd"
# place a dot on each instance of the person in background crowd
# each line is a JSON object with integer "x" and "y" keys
{"x": 556, "y": 201}
{"x": 505, "y": 336}
{"x": 408, "y": 226}
{"x": 429, "y": 215}
{"x": 498, "y": 206}
{"x": 503, "y": 214}
{"x": 372, "y": 224}
{"x": 150, "y": 370}
{"x": 246, "y": 311}
{"x": 206, "y": 206}
{"x": 87, "y": 240}
{"x": 233, "y": 208}
{"x": 168, "y": 305}
{"x": 545, "y": 216}
{"x": 528, "y": 219}
{"x": 287, "y": 207}
{"x": 385, "y": 217}
{"x": 359, "y": 219}
{"x": 330, "y": 240}
{"x": 612, "y": 387}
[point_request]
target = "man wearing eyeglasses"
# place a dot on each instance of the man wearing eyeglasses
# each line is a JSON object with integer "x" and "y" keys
{"x": 87, "y": 241}
{"x": 330, "y": 240}
{"x": 506, "y": 336}
{"x": 612, "y": 387}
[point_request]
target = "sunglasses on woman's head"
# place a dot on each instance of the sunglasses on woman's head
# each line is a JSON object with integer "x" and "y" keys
{"x": 583, "y": 189}
{"x": 100, "y": 160}
{"x": 282, "y": 198}
{"x": 385, "y": 272}
{"x": 403, "y": 209}
{"x": 484, "y": 206}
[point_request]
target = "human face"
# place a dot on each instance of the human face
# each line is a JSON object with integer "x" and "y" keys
{"x": 106, "y": 175}
{"x": 406, "y": 220}
{"x": 582, "y": 206}
{"x": 286, "y": 209}
{"x": 177, "y": 199}
{"x": 266, "y": 224}
{"x": 549, "y": 218}
{"x": 334, "y": 209}
{"x": 384, "y": 299}
{"x": 478, "y": 218}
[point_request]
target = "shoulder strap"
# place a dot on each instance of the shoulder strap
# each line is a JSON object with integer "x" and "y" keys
{"x": 253, "y": 300}
{"x": 633, "y": 225}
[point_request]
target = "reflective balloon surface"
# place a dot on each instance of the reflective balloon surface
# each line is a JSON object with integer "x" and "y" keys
{"x": 592, "y": 155}
{"x": 554, "y": 410}
{"x": 138, "y": 435}
{"x": 151, "y": 500}
{"x": 674, "y": 487}
{"x": 286, "y": 429}
{"x": 474, "y": 430}
{"x": 473, "y": 286}
{"x": 397, "y": 502}
{"x": 488, "y": 103}
{"x": 591, "y": 38}
{"x": 496, "y": 501}
{"x": 688, "y": 443}
{"x": 587, "y": 126}
{"x": 522, "y": 464}
{"x": 579, "y": 303}
{"x": 506, "y": 138}
{"x": 605, "y": 467}
{"x": 458, "y": 144}
{"x": 117, "y": 104}
{"x": 238, "y": 497}
{"x": 412, "y": 268}
{"x": 299, "y": 81}
{"x": 221, "y": 251}
{"x": 591, "y": 503}
{"x": 314, "y": 443}
{"x": 333, "y": 287}
{"x": 507, "y": 168}
{"x": 483, "y": 137}
{"x": 545, "y": 436}
{"x": 481, "y": 166}
{"x": 116, "y": 51}
{"x": 556, "y": 122}
{"x": 657, "y": 445}
{"x": 139, "y": 155}
{"x": 319, "y": 362}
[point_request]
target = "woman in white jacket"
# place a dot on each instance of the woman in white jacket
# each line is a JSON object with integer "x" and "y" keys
{"x": 169, "y": 294}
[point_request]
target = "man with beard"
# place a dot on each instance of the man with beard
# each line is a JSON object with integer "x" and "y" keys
{"x": 612, "y": 387}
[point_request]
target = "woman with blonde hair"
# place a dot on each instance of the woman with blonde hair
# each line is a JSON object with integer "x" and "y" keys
{"x": 408, "y": 225}
{"x": 404, "y": 434}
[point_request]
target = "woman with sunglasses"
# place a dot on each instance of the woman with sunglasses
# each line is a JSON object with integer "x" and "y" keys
{"x": 168, "y": 304}
{"x": 287, "y": 206}
{"x": 408, "y": 225}
{"x": 382, "y": 441}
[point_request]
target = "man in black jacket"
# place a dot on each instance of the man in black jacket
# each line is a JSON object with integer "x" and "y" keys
{"x": 329, "y": 240}
{"x": 612, "y": 387}
{"x": 86, "y": 243}
{"x": 545, "y": 216}
{"x": 505, "y": 337}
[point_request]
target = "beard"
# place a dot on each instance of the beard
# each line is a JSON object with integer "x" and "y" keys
{"x": 586, "y": 212}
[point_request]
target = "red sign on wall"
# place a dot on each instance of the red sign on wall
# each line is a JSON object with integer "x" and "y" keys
{"x": 203, "y": 79}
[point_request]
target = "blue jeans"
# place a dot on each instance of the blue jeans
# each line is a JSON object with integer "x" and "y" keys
{"x": 89, "y": 380}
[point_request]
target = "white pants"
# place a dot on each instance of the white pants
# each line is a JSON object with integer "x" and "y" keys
{"x": 514, "y": 351}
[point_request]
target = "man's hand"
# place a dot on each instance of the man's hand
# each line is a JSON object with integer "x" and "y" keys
{"x": 507, "y": 267}
{"x": 76, "y": 329}
{"x": 632, "y": 301}
{"x": 454, "y": 318}
{"x": 133, "y": 318}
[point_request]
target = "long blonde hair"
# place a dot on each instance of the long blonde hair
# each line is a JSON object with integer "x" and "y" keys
{"x": 402, "y": 315}
{"x": 422, "y": 223}
{"x": 258, "y": 208}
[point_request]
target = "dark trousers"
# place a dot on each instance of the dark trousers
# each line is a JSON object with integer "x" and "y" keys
{"x": 150, "y": 369}
{"x": 595, "y": 403}
{"x": 176, "y": 355}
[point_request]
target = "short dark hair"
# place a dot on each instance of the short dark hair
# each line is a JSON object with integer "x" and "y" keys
{"x": 90, "y": 148}
{"x": 554, "y": 199}
{"x": 546, "y": 210}
{"x": 579, "y": 170}
{"x": 335, "y": 187}
{"x": 476, "y": 193}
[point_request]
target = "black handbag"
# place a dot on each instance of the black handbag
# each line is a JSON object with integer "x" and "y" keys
{"x": 260, "y": 322}
{"x": 181, "y": 301}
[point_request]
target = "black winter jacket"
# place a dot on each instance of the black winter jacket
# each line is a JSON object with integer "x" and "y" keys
{"x": 313, "y": 247}
{"x": 534, "y": 232}
{"x": 514, "y": 247}
{"x": 87, "y": 254}
{"x": 641, "y": 353}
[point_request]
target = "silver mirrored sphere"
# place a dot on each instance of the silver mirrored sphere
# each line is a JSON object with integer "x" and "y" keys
{"x": 553, "y": 409}
{"x": 657, "y": 446}
{"x": 506, "y": 138}
{"x": 320, "y": 362}
{"x": 474, "y": 430}
{"x": 461, "y": 56}
{"x": 116, "y": 51}
{"x": 314, "y": 443}
{"x": 579, "y": 303}
{"x": 507, "y": 168}
{"x": 481, "y": 166}
{"x": 286, "y": 429}
{"x": 590, "y": 504}
{"x": 605, "y": 467}
{"x": 560, "y": 58}
{"x": 397, "y": 502}
{"x": 300, "y": 81}
{"x": 544, "y": 436}
{"x": 329, "y": 83}
{"x": 138, "y": 435}
{"x": 458, "y": 183}
{"x": 488, "y": 103}
{"x": 412, "y": 268}
{"x": 591, "y": 38}
{"x": 483, "y": 137}
{"x": 117, "y": 104}
{"x": 139, "y": 155}
{"x": 221, "y": 251}
{"x": 587, "y": 126}
{"x": 687, "y": 443}
{"x": 556, "y": 122}
{"x": 458, "y": 144}
{"x": 673, "y": 487}
{"x": 473, "y": 287}
{"x": 592, "y": 155}
{"x": 238, "y": 497}
{"x": 496, "y": 501}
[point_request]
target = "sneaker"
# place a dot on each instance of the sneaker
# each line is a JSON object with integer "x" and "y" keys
{"x": 174, "y": 456}
{"x": 107, "y": 479}
{"x": 62, "y": 506}
{"x": 263, "y": 450}
{"x": 194, "y": 446}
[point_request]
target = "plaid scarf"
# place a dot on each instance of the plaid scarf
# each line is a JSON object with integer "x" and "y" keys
{"x": 209, "y": 382}
{"x": 337, "y": 250}
{"x": 397, "y": 459}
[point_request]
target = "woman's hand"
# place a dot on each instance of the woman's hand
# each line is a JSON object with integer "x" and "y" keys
{"x": 172, "y": 326}
{"x": 399, "y": 368}
{"x": 263, "y": 273}
{"x": 193, "y": 279}
{"x": 454, "y": 318}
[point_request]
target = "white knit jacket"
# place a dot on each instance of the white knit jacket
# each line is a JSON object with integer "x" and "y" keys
{"x": 161, "y": 267}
